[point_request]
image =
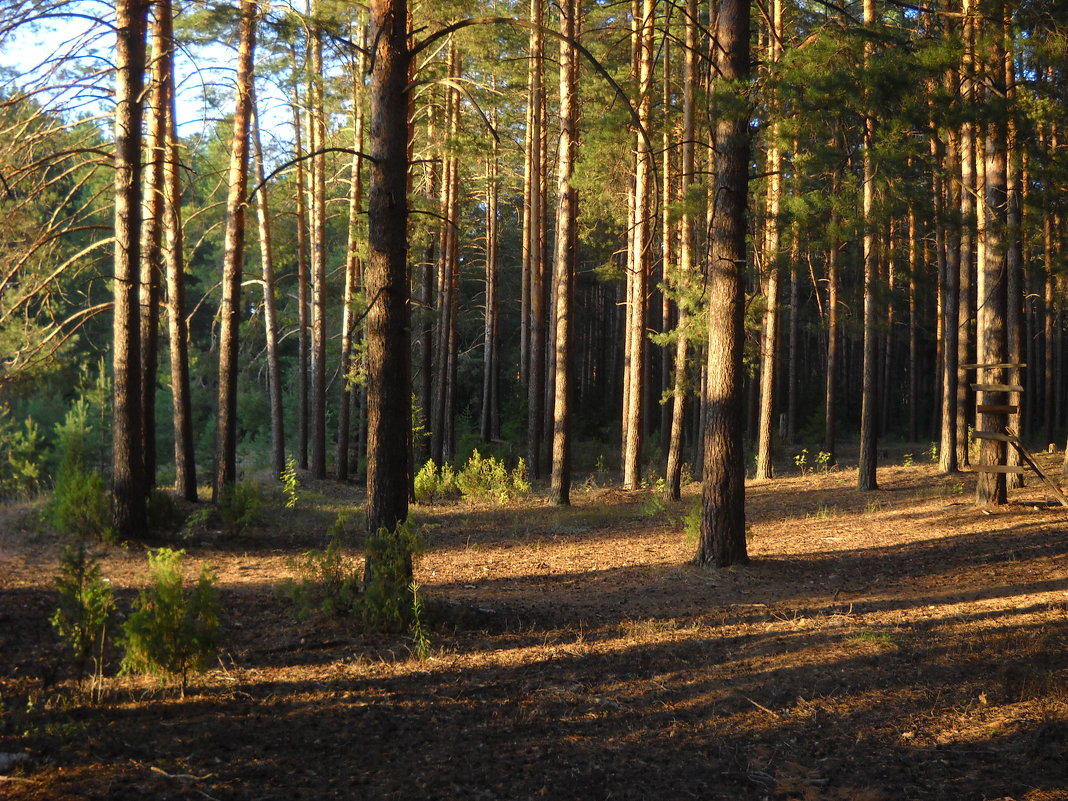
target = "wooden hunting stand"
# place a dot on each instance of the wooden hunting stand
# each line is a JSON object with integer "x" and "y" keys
{"x": 993, "y": 410}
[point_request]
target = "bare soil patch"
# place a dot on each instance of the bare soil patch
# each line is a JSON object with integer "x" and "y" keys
{"x": 901, "y": 644}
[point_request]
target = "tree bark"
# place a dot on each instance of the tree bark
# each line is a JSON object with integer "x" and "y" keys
{"x": 353, "y": 270}
{"x": 152, "y": 246}
{"x": 638, "y": 263}
{"x": 686, "y": 256}
{"x": 722, "y": 541}
{"x": 234, "y": 256}
{"x": 302, "y": 276}
{"x": 127, "y": 467}
{"x": 270, "y": 315}
{"x": 565, "y": 251}
{"x": 185, "y": 478}
{"x": 317, "y": 125}
{"x": 388, "y": 320}
{"x": 866, "y": 472}
{"x": 991, "y": 344}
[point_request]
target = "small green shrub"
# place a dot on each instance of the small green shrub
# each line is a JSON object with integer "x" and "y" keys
{"x": 908, "y": 460}
{"x": 932, "y": 452}
{"x": 823, "y": 461}
{"x": 419, "y": 628}
{"x": 386, "y": 605}
{"x": 172, "y": 633}
{"x": 21, "y": 453}
{"x": 80, "y": 506}
{"x": 486, "y": 478}
{"x": 801, "y": 460}
{"x": 290, "y": 483}
{"x": 86, "y": 608}
{"x": 328, "y": 581}
{"x": 432, "y": 483}
{"x": 196, "y": 523}
{"x": 240, "y": 506}
{"x": 691, "y": 523}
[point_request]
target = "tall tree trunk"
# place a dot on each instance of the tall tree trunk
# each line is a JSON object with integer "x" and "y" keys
{"x": 967, "y": 234}
{"x": 152, "y": 247}
{"x": 1013, "y": 253}
{"x": 686, "y": 256}
{"x": 128, "y": 487}
{"x": 185, "y": 478}
{"x": 992, "y": 303}
{"x": 489, "y": 422}
{"x": 831, "y": 373}
{"x": 388, "y": 320}
{"x": 302, "y": 275}
{"x": 353, "y": 267}
{"x": 535, "y": 273}
{"x": 951, "y": 321}
{"x": 769, "y": 346}
{"x": 722, "y": 540}
{"x": 234, "y": 256}
{"x": 866, "y": 479}
{"x": 638, "y": 263}
{"x": 565, "y": 251}
{"x": 317, "y": 126}
{"x": 270, "y": 316}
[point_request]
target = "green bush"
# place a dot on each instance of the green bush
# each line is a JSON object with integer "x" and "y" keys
{"x": 386, "y": 595}
{"x": 172, "y": 633}
{"x": 21, "y": 453}
{"x": 240, "y": 506}
{"x": 432, "y": 483}
{"x": 328, "y": 580}
{"x": 80, "y": 506}
{"x": 290, "y": 483}
{"x": 86, "y": 608}
{"x": 488, "y": 479}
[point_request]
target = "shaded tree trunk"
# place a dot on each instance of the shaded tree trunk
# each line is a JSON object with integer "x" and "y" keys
{"x": 388, "y": 319}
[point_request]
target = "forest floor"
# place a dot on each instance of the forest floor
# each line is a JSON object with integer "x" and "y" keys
{"x": 898, "y": 644}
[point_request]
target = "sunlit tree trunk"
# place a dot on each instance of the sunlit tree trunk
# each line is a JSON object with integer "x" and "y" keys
{"x": 991, "y": 344}
{"x": 535, "y": 228}
{"x": 866, "y": 479}
{"x": 270, "y": 315}
{"x": 565, "y": 251}
{"x": 234, "y": 256}
{"x": 185, "y": 478}
{"x": 353, "y": 271}
{"x": 686, "y": 256}
{"x": 489, "y": 422}
{"x": 769, "y": 345}
{"x": 152, "y": 245}
{"x": 722, "y": 541}
{"x": 317, "y": 130}
{"x": 128, "y": 488}
{"x": 638, "y": 263}
{"x": 302, "y": 274}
